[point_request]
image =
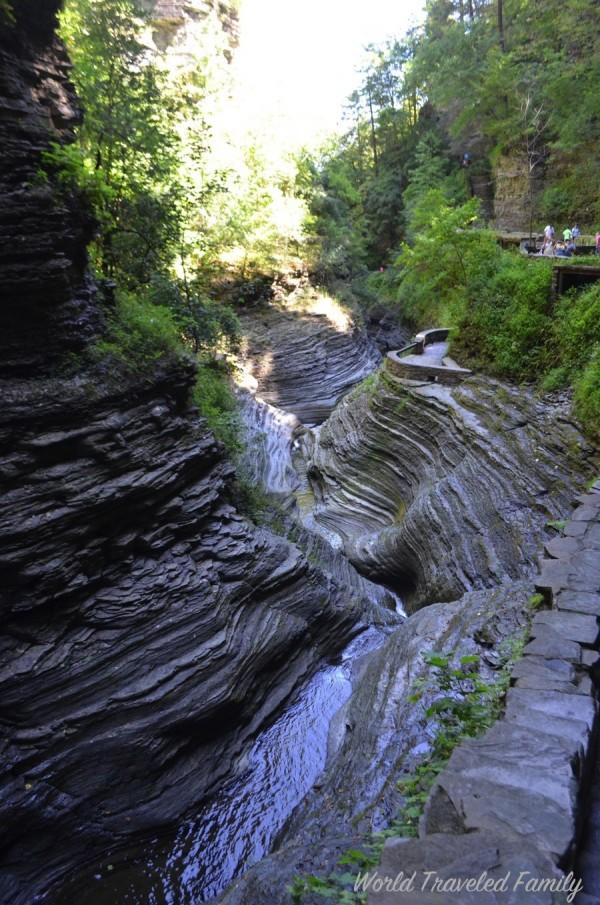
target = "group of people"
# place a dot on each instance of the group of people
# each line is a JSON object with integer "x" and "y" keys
{"x": 551, "y": 247}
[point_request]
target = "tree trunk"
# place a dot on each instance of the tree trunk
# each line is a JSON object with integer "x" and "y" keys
{"x": 501, "y": 26}
{"x": 373, "y": 135}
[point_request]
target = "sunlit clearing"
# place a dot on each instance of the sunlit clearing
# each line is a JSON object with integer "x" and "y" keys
{"x": 325, "y": 306}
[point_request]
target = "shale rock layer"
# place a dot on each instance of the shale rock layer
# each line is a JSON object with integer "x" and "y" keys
{"x": 303, "y": 356}
{"x": 148, "y": 630}
{"x": 438, "y": 490}
{"x": 47, "y": 302}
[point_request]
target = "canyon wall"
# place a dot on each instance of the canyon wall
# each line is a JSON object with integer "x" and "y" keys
{"x": 148, "y": 629}
{"x": 47, "y": 300}
{"x": 437, "y": 490}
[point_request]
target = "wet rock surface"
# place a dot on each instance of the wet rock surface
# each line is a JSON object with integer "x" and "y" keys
{"x": 437, "y": 490}
{"x": 376, "y": 737}
{"x": 151, "y": 634}
{"x": 149, "y": 631}
{"x": 521, "y": 792}
{"x": 304, "y": 352}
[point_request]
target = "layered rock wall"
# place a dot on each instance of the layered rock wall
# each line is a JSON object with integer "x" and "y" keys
{"x": 516, "y": 192}
{"x": 47, "y": 301}
{"x": 303, "y": 356}
{"x": 513, "y": 802}
{"x": 438, "y": 490}
{"x": 149, "y": 631}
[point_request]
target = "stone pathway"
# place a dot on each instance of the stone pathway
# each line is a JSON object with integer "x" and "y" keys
{"x": 517, "y": 798}
{"x": 430, "y": 360}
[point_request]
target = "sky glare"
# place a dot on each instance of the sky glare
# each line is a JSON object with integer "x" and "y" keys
{"x": 297, "y": 61}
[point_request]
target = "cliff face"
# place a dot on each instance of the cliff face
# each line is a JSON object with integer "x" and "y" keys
{"x": 438, "y": 491}
{"x": 47, "y": 303}
{"x": 180, "y": 27}
{"x": 148, "y": 630}
{"x": 516, "y": 192}
{"x": 303, "y": 353}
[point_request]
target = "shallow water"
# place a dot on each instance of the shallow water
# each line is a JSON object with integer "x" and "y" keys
{"x": 237, "y": 827}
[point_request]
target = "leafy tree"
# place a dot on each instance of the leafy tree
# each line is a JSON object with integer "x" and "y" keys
{"x": 127, "y": 136}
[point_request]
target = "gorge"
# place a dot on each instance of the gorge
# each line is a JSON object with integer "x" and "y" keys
{"x": 198, "y": 703}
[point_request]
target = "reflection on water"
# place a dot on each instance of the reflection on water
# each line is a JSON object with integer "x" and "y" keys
{"x": 238, "y": 826}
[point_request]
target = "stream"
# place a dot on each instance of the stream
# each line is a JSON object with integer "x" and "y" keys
{"x": 237, "y": 827}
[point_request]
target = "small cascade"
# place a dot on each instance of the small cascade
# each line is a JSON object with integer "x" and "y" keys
{"x": 267, "y": 458}
{"x": 277, "y": 447}
{"x": 237, "y": 825}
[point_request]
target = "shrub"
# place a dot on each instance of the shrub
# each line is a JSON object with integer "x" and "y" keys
{"x": 216, "y": 402}
{"x": 206, "y": 324}
{"x": 140, "y": 333}
{"x": 587, "y": 395}
{"x": 576, "y": 328}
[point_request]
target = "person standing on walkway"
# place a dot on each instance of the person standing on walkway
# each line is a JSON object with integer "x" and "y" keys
{"x": 567, "y": 234}
{"x": 598, "y": 243}
{"x": 575, "y": 233}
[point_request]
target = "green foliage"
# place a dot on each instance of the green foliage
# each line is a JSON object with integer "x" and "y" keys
{"x": 140, "y": 333}
{"x": 526, "y": 94}
{"x": 576, "y": 327}
{"x": 557, "y": 524}
{"x": 498, "y": 303}
{"x": 536, "y": 601}
{"x": 215, "y": 400}
{"x": 6, "y": 11}
{"x": 435, "y": 270}
{"x": 367, "y": 387}
{"x": 128, "y": 143}
{"x": 73, "y": 172}
{"x": 205, "y": 324}
{"x": 587, "y": 395}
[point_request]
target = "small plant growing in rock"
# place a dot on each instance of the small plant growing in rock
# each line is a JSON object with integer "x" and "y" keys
{"x": 558, "y": 524}
{"x": 463, "y": 705}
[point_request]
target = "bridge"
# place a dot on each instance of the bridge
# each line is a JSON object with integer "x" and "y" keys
{"x": 426, "y": 359}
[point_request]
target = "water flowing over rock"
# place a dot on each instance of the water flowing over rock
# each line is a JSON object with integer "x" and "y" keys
{"x": 304, "y": 355}
{"x": 375, "y": 738}
{"x": 438, "y": 490}
{"x": 148, "y": 629}
{"x": 155, "y": 641}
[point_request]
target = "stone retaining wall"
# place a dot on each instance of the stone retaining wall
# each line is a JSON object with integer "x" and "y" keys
{"x": 514, "y": 800}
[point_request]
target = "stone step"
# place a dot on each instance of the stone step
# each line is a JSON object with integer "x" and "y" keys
{"x": 573, "y": 626}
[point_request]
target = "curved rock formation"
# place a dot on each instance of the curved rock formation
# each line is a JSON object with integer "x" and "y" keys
{"x": 304, "y": 354}
{"x": 438, "y": 490}
{"x": 148, "y": 630}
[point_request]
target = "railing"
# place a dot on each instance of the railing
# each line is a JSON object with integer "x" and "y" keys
{"x": 430, "y": 369}
{"x": 424, "y": 338}
{"x": 437, "y": 335}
